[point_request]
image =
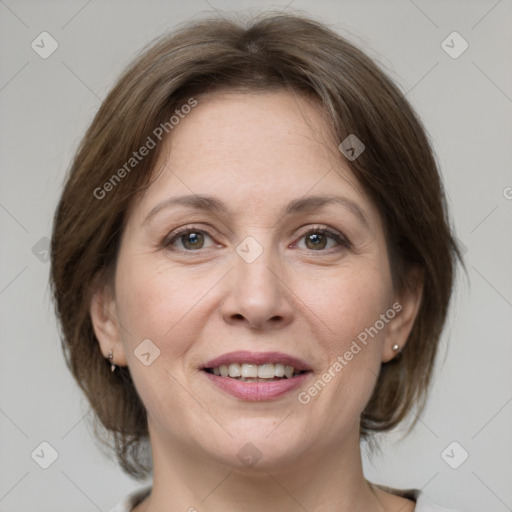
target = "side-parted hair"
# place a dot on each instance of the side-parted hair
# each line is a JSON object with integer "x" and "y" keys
{"x": 397, "y": 169}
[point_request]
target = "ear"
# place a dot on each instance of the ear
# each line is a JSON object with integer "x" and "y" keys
{"x": 406, "y": 305}
{"x": 106, "y": 326}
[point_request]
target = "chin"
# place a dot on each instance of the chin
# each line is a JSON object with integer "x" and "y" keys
{"x": 262, "y": 444}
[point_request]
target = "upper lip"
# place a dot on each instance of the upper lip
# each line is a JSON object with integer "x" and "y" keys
{"x": 244, "y": 356}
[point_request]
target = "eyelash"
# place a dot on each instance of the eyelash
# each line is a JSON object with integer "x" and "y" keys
{"x": 341, "y": 241}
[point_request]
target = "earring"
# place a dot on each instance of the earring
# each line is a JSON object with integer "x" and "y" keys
{"x": 396, "y": 348}
{"x": 112, "y": 365}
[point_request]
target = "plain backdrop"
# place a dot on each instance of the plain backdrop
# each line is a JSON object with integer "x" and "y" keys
{"x": 466, "y": 106}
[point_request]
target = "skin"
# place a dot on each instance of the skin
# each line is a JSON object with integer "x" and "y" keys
{"x": 256, "y": 152}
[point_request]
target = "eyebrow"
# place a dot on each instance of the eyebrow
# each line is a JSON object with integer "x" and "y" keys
{"x": 216, "y": 206}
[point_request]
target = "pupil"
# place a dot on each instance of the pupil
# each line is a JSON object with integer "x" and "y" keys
{"x": 193, "y": 240}
{"x": 317, "y": 240}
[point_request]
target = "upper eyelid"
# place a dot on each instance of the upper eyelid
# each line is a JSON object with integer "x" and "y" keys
{"x": 320, "y": 227}
{"x": 335, "y": 234}
{"x": 176, "y": 233}
{"x": 303, "y": 230}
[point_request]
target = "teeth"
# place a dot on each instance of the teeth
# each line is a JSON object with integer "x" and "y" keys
{"x": 266, "y": 371}
{"x": 234, "y": 370}
{"x": 249, "y": 370}
{"x": 252, "y": 371}
{"x": 279, "y": 370}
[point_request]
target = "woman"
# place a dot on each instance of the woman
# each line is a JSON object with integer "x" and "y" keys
{"x": 252, "y": 266}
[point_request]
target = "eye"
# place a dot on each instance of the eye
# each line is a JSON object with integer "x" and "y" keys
{"x": 188, "y": 239}
{"x": 318, "y": 239}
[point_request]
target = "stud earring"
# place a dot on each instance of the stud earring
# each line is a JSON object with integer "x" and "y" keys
{"x": 112, "y": 365}
{"x": 395, "y": 347}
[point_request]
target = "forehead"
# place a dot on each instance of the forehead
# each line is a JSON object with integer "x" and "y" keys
{"x": 253, "y": 150}
{"x": 254, "y": 131}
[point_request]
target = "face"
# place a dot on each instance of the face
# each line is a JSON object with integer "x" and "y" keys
{"x": 255, "y": 239}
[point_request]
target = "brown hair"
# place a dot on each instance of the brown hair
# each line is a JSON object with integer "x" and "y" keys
{"x": 397, "y": 169}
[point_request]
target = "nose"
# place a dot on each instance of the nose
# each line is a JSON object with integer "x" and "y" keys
{"x": 257, "y": 295}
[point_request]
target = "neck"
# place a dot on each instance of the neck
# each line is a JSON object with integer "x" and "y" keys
{"x": 324, "y": 481}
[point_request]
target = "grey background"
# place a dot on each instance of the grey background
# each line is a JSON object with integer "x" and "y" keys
{"x": 466, "y": 105}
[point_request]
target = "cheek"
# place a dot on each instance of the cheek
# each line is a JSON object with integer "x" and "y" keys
{"x": 345, "y": 303}
{"x": 347, "y": 313}
{"x": 154, "y": 301}
{"x": 156, "y": 305}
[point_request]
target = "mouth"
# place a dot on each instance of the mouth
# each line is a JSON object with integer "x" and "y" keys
{"x": 257, "y": 376}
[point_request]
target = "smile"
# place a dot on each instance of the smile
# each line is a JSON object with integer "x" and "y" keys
{"x": 257, "y": 376}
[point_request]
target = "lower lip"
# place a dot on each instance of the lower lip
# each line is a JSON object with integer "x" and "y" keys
{"x": 257, "y": 391}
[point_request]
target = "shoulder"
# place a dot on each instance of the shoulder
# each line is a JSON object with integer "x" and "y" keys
{"x": 131, "y": 500}
{"x": 424, "y": 504}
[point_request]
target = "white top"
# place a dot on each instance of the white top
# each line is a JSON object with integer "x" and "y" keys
{"x": 423, "y": 504}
